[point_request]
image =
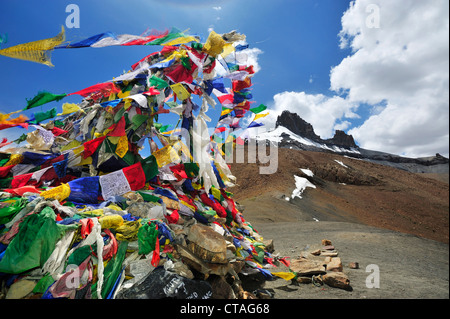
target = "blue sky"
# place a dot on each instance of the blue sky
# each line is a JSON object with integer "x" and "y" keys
{"x": 299, "y": 44}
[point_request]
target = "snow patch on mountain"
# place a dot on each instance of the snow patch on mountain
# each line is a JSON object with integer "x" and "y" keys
{"x": 300, "y": 185}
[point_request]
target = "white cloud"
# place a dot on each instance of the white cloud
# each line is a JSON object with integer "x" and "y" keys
{"x": 217, "y": 8}
{"x": 398, "y": 68}
{"x": 326, "y": 114}
{"x": 252, "y": 57}
{"x": 404, "y": 64}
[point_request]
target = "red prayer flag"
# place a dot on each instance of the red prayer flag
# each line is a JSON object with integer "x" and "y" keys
{"x": 105, "y": 88}
{"x": 147, "y": 39}
{"x": 240, "y": 85}
{"x": 173, "y": 218}
{"x": 135, "y": 176}
{"x": 91, "y": 146}
{"x": 5, "y": 170}
{"x": 22, "y": 190}
{"x": 57, "y": 131}
{"x": 151, "y": 91}
{"x": 118, "y": 129}
{"x": 20, "y": 180}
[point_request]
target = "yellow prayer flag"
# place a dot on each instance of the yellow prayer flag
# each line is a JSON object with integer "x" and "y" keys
{"x": 214, "y": 44}
{"x": 227, "y": 50}
{"x": 166, "y": 155}
{"x": 59, "y": 193}
{"x": 70, "y": 108}
{"x": 122, "y": 95}
{"x": 14, "y": 159}
{"x": 216, "y": 193}
{"x": 284, "y": 275}
{"x": 122, "y": 146}
{"x": 36, "y": 51}
{"x": 258, "y": 116}
{"x": 180, "y": 91}
{"x": 226, "y": 111}
{"x": 85, "y": 161}
{"x": 181, "y": 40}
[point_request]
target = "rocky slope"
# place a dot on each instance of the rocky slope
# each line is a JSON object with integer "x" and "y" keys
{"x": 346, "y": 189}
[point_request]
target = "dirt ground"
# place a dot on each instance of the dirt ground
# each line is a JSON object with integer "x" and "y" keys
{"x": 410, "y": 267}
{"x": 373, "y": 215}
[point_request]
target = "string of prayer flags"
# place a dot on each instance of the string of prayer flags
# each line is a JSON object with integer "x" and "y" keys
{"x": 42, "y": 98}
{"x": 36, "y": 51}
{"x": 258, "y": 109}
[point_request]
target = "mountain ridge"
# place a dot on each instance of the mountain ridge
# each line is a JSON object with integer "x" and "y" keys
{"x": 291, "y": 131}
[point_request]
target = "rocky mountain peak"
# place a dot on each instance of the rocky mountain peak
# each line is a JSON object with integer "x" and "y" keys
{"x": 297, "y": 125}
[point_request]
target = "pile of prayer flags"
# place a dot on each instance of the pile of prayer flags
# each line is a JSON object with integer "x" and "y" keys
{"x": 80, "y": 201}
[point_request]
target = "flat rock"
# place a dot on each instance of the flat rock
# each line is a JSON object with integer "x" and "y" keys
{"x": 305, "y": 267}
{"x": 337, "y": 280}
{"x": 335, "y": 264}
{"x": 20, "y": 289}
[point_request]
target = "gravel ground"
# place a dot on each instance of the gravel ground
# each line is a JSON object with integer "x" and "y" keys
{"x": 410, "y": 267}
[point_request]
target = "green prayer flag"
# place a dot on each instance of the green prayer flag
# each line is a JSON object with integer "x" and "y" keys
{"x": 149, "y": 197}
{"x": 191, "y": 169}
{"x": 33, "y": 244}
{"x": 158, "y": 83}
{"x": 41, "y": 98}
{"x": 150, "y": 167}
{"x": 138, "y": 120}
{"x": 258, "y": 109}
{"x": 147, "y": 237}
{"x": 42, "y": 116}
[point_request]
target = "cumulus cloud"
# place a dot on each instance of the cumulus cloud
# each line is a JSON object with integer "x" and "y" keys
{"x": 401, "y": 63}
{"x": 326, "y": 114}
{"x": 398, "y": 69}
{"x": 252, "y": 57}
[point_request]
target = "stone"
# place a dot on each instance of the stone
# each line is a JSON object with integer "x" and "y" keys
{"x": 305, "y": 267}
{"x": 335, "y": 264}
{"x": 20, "y": 289}
{"x": 220, "y": 288}
{"x": 316, "y": 252}
{"x": 329, "y": 247}
{"x": 326, "y": 242}
{"x": 248, "y": 295}
{"x": 304, "y": 280}
{"x": 207, "y": 244}
{"x": 269, "y": 245}
{"x": 337, "y": 280}
{"x": 353, "y": 265}
{"x": 329, "y": 253}
{"x": 205, "y": 268}
{"x": 237, "y": 265}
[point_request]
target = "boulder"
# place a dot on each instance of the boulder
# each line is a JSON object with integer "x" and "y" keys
{"x": 335, "y": 264}
{"x": 353, "y": 265}
{"x": 337, "y": 280}
{"x": 207, "y": 244}
{"x": 220, "y": 288}
{"x": 326, "y": 242}
{"x": 307, "y": 267}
